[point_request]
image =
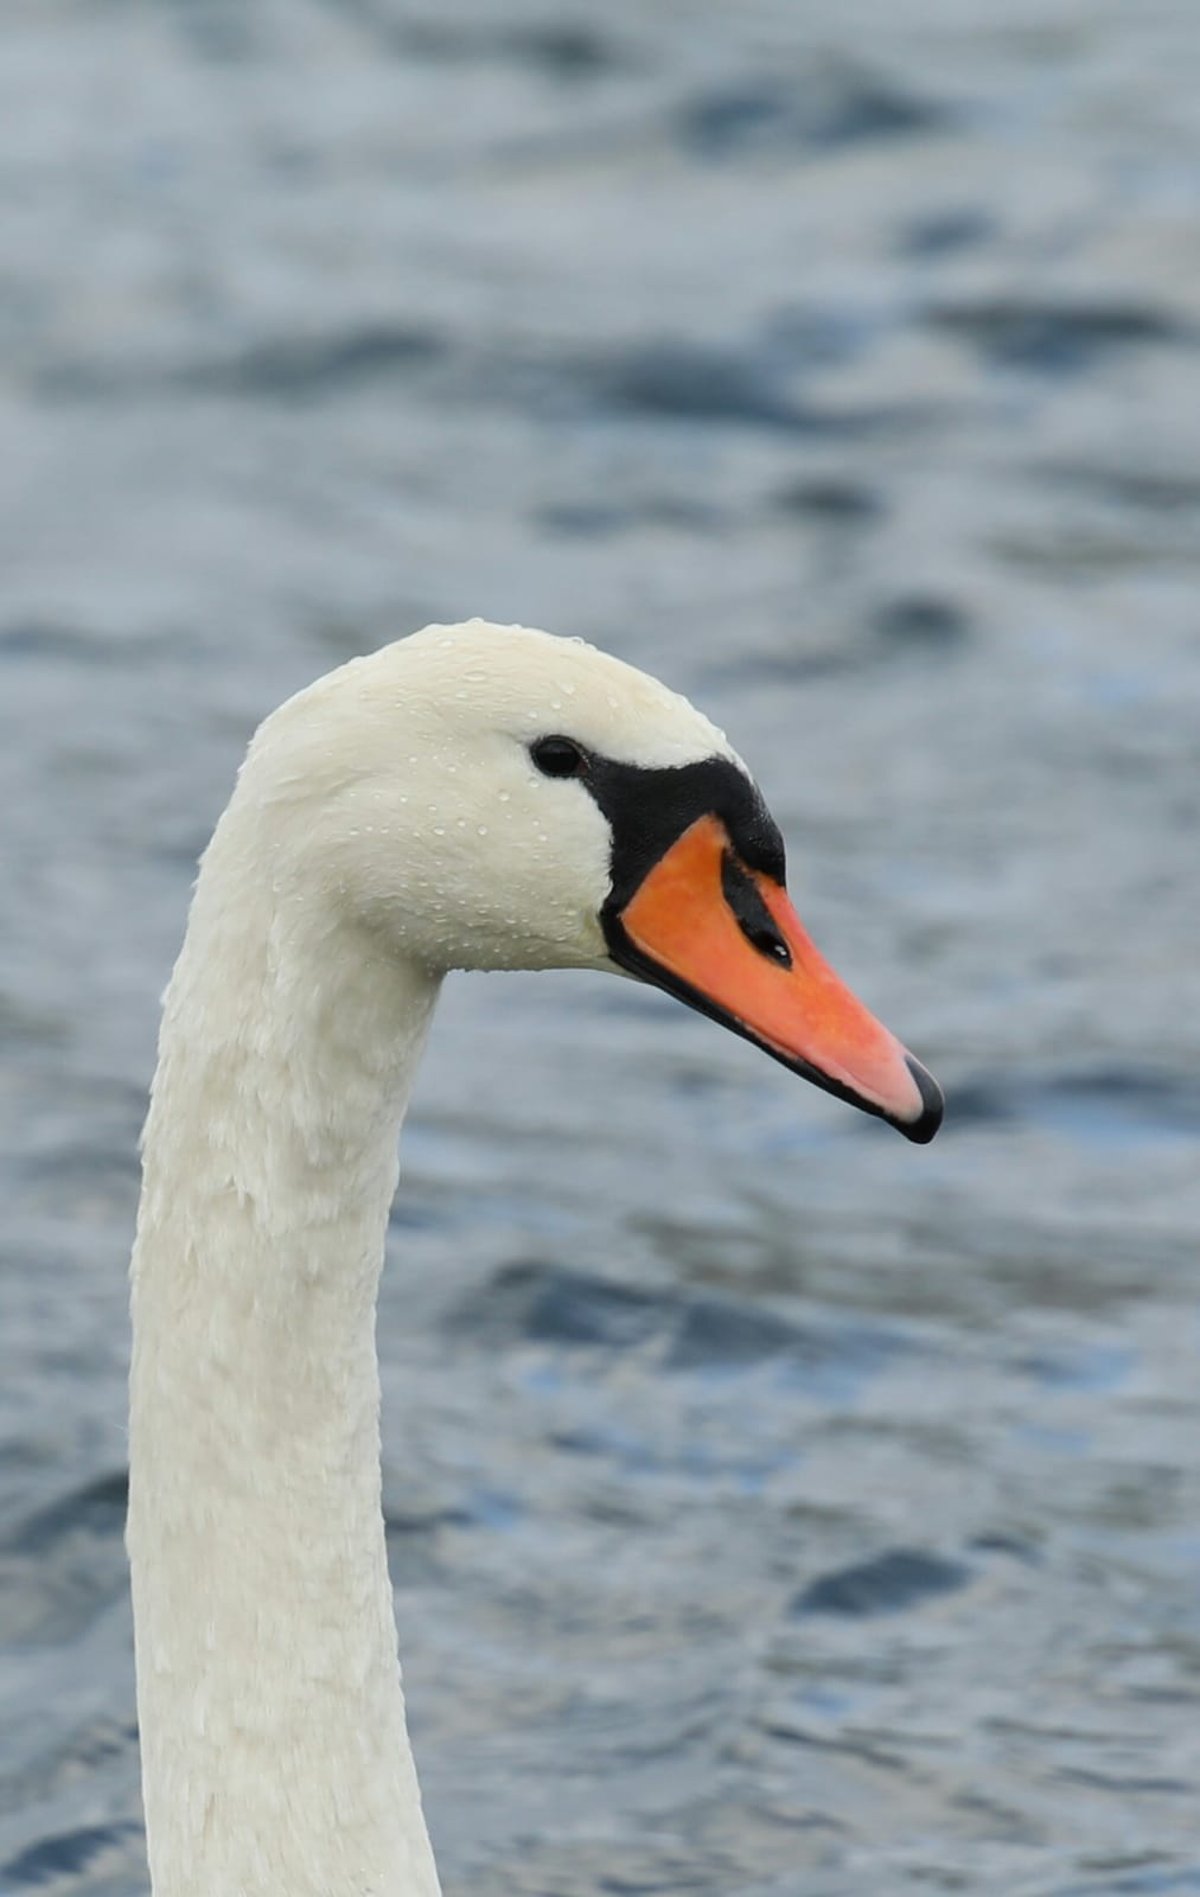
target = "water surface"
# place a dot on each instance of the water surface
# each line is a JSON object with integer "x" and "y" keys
{"x": 773, "y": 1508}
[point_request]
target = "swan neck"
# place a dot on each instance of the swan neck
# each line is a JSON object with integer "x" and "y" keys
{"x": 275, "y": 1751}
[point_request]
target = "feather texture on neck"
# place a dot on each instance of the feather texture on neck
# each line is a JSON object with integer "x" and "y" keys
{"x": 275, "y": 1754}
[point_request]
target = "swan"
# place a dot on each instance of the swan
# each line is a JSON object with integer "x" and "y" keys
{"x": 473, "y": 796}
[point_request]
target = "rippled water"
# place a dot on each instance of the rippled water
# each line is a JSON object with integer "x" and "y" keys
{"x": 774, "y": 1509}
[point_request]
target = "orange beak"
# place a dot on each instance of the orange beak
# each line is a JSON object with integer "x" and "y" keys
{"x": 727, "y": 940}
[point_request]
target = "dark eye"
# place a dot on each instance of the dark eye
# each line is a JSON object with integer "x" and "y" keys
{"x": 558, "y": 757}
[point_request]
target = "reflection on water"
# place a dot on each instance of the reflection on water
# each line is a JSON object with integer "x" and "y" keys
{"x": 770, "y": 1506}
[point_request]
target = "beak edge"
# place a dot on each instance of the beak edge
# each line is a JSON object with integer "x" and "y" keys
{"x": 678, "y": 932}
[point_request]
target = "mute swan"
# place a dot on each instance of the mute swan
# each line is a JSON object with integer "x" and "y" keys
{"x": 474, "y": 796}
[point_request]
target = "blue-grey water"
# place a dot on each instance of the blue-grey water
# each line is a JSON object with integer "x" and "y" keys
{"x": 776, "y": 1510}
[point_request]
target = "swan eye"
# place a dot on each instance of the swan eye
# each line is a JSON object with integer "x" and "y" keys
{"x": 558, "y": 757}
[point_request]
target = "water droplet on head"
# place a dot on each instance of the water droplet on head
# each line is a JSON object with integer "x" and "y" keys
{"x": 481, "y": 830}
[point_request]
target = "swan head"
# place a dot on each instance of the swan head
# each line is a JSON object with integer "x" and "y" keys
{"x": 484, "y": 796}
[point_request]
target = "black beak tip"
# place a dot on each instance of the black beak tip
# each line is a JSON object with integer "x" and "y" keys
{"x": 933, "y": 1104}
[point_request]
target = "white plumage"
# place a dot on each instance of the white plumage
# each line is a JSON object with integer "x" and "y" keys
{"x": 389, "y": 824}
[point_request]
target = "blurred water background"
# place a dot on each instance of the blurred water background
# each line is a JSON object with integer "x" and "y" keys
{"x": 775, "y": 1510}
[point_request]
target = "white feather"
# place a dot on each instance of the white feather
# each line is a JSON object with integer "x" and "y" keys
{"x": 387, "y": 826}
